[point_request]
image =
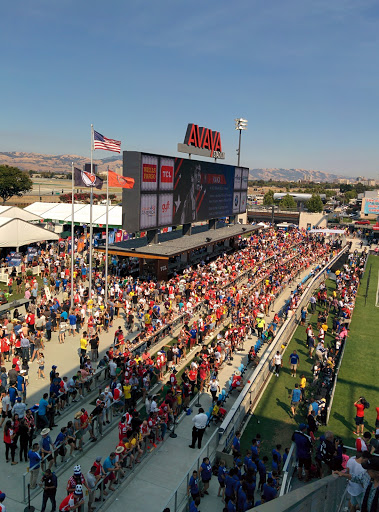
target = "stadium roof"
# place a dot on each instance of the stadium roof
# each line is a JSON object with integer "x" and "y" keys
{"x": 174, "y": 243}
{"x": 17, "y": 232}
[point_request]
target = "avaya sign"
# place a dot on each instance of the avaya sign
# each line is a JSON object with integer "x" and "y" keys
{"x": 202, "y": 141}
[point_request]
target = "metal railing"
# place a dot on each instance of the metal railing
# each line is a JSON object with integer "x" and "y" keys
{"x": 251, "y": 394}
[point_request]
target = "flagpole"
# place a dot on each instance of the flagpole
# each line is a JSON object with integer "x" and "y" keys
{"x": 106, "y": 243}
{"x": 90, "y": 223}
{"x": 72, "y": 236}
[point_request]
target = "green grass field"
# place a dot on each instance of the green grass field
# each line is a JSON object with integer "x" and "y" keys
{"x": 356, "y": 378}
{"x": 359, "y": 366}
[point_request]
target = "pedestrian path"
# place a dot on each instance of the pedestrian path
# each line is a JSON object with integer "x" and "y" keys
{"x": 174, "y": 455}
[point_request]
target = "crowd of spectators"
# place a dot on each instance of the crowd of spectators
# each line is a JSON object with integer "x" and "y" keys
{"x": 205, "y": 298}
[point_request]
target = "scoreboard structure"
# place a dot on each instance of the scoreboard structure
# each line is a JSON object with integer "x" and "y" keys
{"x": 171, "y": 191}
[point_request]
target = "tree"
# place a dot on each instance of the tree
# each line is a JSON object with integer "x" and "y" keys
{"x": 268, "y": 198}
{"x": 350, "y": 194}
{"x": 13, "y": 182}
{"x": 315, "y": 204}
{"x": 288, "y": 202}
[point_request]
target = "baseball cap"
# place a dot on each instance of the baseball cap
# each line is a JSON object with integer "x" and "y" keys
{"x": 18, "y": 399}
{"x": 98, "y": 459}
{"x": 53, "y": 367}
{"x": 372, "y": 463}
{"x": 302, "y": 426}
{"x": 2, "y": 496}
{"x": 377, "y": 432}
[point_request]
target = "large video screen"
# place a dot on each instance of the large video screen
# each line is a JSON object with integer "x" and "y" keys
{"x": 172, "y": 191}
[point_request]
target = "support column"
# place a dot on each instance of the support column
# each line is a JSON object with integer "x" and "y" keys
{"x": 187, "y": 229}
{"x": 152, "y": 236}
{"x": 212, "y": 223}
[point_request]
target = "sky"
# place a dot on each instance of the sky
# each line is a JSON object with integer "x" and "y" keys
{"x": 303, "y": 73}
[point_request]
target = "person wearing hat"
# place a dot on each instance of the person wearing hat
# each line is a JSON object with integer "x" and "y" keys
{"x": 46, "y": 447}
{"x": 19, "y": 408}
{"x": 76, "y": 479}
{"x": 73, "y": 501}
{"x": 370, "y": 483}
{"x": 2, "y": 498}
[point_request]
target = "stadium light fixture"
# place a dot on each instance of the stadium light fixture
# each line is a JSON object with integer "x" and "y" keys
{"x": 241, "y": 124}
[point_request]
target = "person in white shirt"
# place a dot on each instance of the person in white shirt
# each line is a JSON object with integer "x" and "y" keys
{"x": 277, "y": 361}
{"x": 355, "y": 490}
{"x": 199, "y": 425}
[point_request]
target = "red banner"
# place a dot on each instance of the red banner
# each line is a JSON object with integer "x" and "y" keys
{"x": 149, "y": 173}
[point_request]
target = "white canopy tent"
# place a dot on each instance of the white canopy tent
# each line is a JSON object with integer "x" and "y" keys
{"x": 13, "y": 212}
{"x": 17, "y": 232}
{"x": 61, "y": 212}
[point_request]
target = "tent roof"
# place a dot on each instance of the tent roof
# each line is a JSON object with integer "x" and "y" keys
{"x": 17, "y": 232}
{"x": 61, "y": 212}
{"x": 13, "y": 212}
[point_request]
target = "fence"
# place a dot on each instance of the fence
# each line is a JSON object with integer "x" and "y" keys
{"x": 325, "y": 495}
{"x": 5, "y": 272}
{"x": 250, "y": 395}
{"x": 335, "y": 377}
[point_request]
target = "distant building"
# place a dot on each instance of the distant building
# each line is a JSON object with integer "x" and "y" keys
{"x": 370, "y": 204}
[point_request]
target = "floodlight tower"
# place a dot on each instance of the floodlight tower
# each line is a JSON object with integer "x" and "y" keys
{"x": 241, "y": 124}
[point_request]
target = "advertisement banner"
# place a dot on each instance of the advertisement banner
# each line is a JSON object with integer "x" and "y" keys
{"x": 148, "y": 212}
{"x": 149, "y": 173}
{"x": 243, "y": 200}
{"x": 237, "y": 178}
{"x": 236, "y": 202}
{"x": 166, "y": 174}
{"x": 14, "y": 259}
{"x": 32, "y": 253}
{"x": 371, "y": 207}
{"x": 245, "y": 179}
{"x": 165, "y": 209}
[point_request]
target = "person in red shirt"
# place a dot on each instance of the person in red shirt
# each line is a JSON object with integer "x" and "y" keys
{"x": 73, "y": 501}
{"x": 360, "y": 416}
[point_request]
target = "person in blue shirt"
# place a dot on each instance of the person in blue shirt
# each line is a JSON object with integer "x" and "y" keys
{"x": 236, "y": 446}
{"x": 221, "y": 477}
{"x": 194, "y": 504}
{"x": 12, "y": 394}
{"x": 250, "y": 481}
{"x": 64, "y": 316}
{"x": 295, "y": 399}
{"x": 231, "y": 506}
{"x": 206, "y": 473}
{"x": 59, "y": 443}
{"x": 274, "y": 463}
{"x": 254, "y": 448}
{"x": 294, "y": 362}
{"x": 41, "y": 413}
{"x": 261, "y": 464}
{"x": 34, "y": 465}
{"x": 193, "y": 486}
{"x": 229, "y": 485}
{"x": 303, "y": 450}
{"x": 242, "y": 502}
{"x": 276, "y": 451}
{"x": 269, "y": 491}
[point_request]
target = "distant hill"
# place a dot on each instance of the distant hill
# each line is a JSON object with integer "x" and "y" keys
{"x": 56, "y": 163}
{"x": 62, "y": 164}
{"x": 293, "y": 175}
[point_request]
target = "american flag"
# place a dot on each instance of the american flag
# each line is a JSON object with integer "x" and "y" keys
{"x": 101, "y": 142}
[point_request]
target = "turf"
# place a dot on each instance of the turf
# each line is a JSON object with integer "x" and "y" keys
{"x": 359, "y": 366}
{"x": 272, "y": 417}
